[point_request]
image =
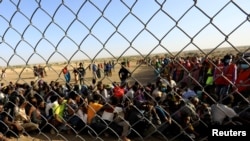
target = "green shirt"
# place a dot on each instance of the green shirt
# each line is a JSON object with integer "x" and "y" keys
{"x": 58, "y": 109}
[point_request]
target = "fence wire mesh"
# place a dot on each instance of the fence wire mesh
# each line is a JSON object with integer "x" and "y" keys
{"x": 64, "y": 81}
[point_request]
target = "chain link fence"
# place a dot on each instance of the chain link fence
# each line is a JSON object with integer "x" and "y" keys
{"x": 59, "y": 59}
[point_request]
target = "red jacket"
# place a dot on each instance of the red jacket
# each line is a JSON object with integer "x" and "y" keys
{"x": 231, "y": 73}
{"x": 218, "y": 79}
{"x": 118, "y": 91}
{"x": 64, "y": 70}
{"x": 243, "y": 80}
{"x": 225, "y": 75}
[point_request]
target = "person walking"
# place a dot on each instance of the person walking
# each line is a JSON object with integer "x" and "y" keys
{"x": 3, "y": 75}
{"x": 123, "y": 73}
{"x": 98, "y": 71}
{"x": 94, "y": 70}
{"x": 66, "y": 74}
{"x": 81, "y": 73}
{"x": 36, "y": 72}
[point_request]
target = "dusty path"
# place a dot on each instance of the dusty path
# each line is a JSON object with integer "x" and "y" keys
{"x": 141, "y": 73}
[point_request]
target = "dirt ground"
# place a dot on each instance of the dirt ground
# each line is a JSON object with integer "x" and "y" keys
{"x": 141, "y": 73}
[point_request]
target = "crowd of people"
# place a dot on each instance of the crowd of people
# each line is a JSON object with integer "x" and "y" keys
{"x": 189, "y": 95}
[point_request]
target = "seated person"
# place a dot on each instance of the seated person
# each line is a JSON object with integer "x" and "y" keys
{"x": 223, "y": 114}
{"x": 21, "y": 117}
{"x": 7, "y": 125}
{"x": 76, "y": 111}
{"x": 58, "y": 110}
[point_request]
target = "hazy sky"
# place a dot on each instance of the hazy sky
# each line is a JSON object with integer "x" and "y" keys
{"x": 40, "y": 31}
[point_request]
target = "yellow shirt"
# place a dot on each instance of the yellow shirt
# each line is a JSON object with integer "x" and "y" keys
{"x": 58, "y": 109}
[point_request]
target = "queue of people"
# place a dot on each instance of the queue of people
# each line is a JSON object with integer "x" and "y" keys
{"x": 188, "y": 96}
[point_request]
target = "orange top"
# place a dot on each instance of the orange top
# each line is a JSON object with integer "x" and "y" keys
{"x": 93, "y": 107}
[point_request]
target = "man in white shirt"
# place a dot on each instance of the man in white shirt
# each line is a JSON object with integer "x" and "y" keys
{"x": 221, "y": 111}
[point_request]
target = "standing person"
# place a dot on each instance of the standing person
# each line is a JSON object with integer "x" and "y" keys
{"x": 178, "y": 71}
{"x": 109, "y": 68}
{"x": 81, "y": 73}
{"x": 105, "y": 68}
{"x": 123, "y": 73}
{"x": 243, "y": 80}
{"x": 94, "y": 70}
{"x": 224, "y": 76}
{"x": 128, "y": 63}
{"x": 207, "y": 76}
{"x": 66, "y": 73}
{"x": 113, "y": 64}
{"x": 3, "y": 75}
{"x": 195, "y": 70}
{"x": 158, "y": 66}
{"x": 75, "y": 75}
{"x": 41, "y": 71}
{"x": 36, "y": 72}
{"x": 98, "y": 71}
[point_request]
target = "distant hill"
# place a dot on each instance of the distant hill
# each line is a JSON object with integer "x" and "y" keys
{"x": 213, "y": 52}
